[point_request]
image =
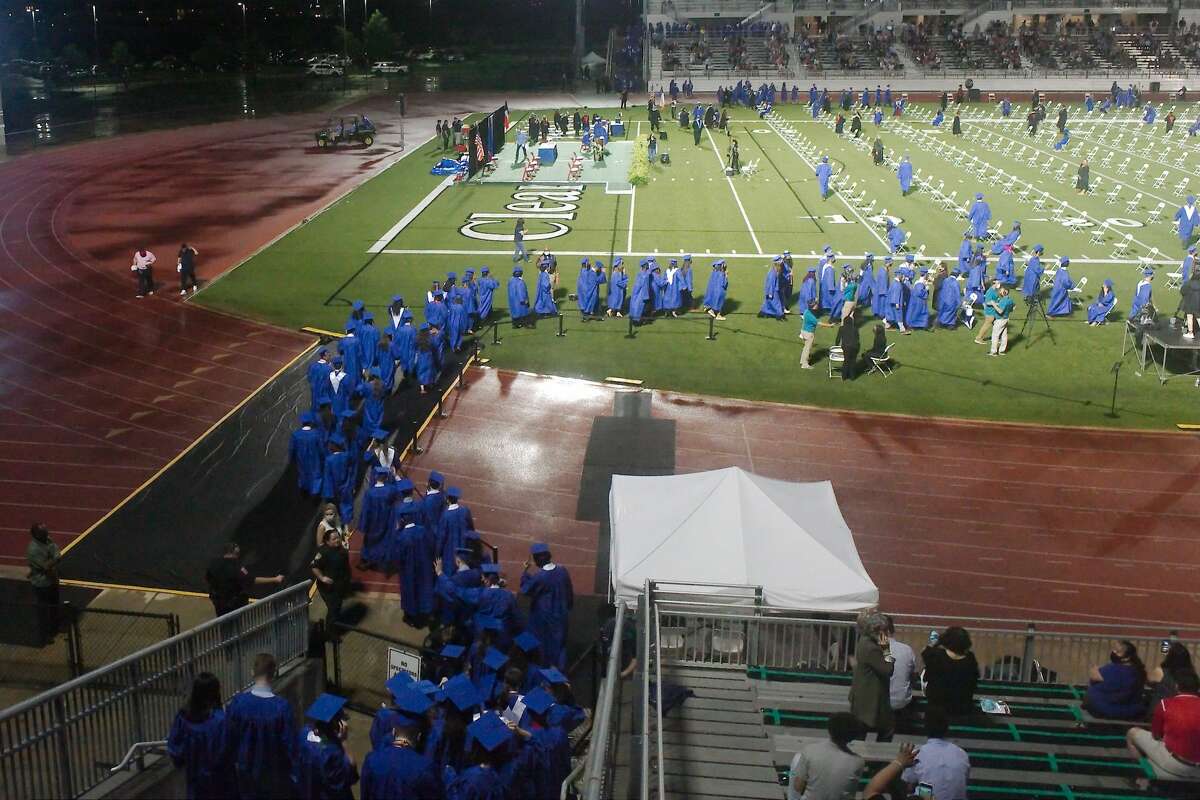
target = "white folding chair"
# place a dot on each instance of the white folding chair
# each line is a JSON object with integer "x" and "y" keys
{"x": 1111, "y": 198}
{"x": 836, "y": 358}
{"x": 1133, "y": 204}
{"x": 1121, "y": 246}
{"x": 1156, "y": 214}
{"x": 882, "y": 362}
{"x": 1098, "y": 233}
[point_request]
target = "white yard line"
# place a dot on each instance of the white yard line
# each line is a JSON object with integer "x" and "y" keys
{"x": 853, "y": 210}
{"x": 633, "y": 196}
{"x": 732, "y": 188}
{"x": 394, "y": 231}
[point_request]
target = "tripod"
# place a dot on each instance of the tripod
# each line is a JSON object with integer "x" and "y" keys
{"x": 1034, "y": 308}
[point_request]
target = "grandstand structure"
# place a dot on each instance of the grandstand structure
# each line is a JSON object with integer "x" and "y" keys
{"x": 711, "y": 42}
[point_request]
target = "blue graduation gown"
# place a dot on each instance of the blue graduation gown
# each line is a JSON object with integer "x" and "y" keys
{"x": 640, "y": 296}
{"x": 949, "y": 300}
{"x": 425, "y": 365}
{"x": 412, "y": 555}
{"x": 544, "y": 302}
{"x": 897, "y": 299}
{"x": 372, "y": 405}
{"x": 917, "y": 313}
{"x": 1006, "y": 108}
{"x": 1060, "y": 301}
{"x": 318, "y": 381}
{"x": 368, "y": 344}
{"x": 433, "y": 505}
{"x": 1140, "y": 298}
{"x": 457, "y": 322}
{"x": 261, "y": 737}
{"x": 307, "y": 451}
{"x": 500, "y": 604}
{"x": 938, "y": 119}
{"x": 487, "y": 290}
{"x": 1150, "y": 115}
{"x": 1099, "y": 310}
{"x": 400, "y": 772}
{"x": 895, "y": 238}
{"x": 1009, "y": 238}
{"x": 583, "y": 287}
{"x": 351, "y": 359}
{"x": 879, "y": 287}
{"x": 552, "y": 760}
{"x": 714, "y": 292}
{"x": 866, "y": 285}
{"x": 671, "y": 292}
{"x": 469, "y": 292}
{"x": 977, "y": 278}
{"x": 772, "y": 305}
{"x": 1186, "y": 223}
{"x": 824, "y": 172}
{"x": 323, "y": 771}
{"x": 374, "y": 520}
{"x": 616, "y": 290}
{"x": 595, "y": 279}
{"x": 453, "y": 524}
{"x": 200, "y": 748}
{"x": 904, "y": 173}
{"x": 405, "y": 510}
{"x": 337, "y": 483}
{"x": 476, "y": 783}
{"x": 551, "y": 598}
{"x": 658, "y": 284}
{"x": 808, "y": 291}
{"x": 979, "y": 216}
{"x": 965, "y": 255}
{"x": 831, "y": 295}
{"x": 404, "y": 348}
{"x": 1005, "y": 270}
{"x": 566, "y": 717}
{"x": 518, "y": 298}
{"x": 1185, "y": 269}
{"x": 1031, "y": 282}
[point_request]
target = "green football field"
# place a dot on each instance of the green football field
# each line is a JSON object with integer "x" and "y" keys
{"x": 403, "y": 229}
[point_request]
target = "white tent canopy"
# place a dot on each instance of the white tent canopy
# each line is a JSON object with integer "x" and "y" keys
{"x": 729, "y": 526}
{"x": 593, "y": 58}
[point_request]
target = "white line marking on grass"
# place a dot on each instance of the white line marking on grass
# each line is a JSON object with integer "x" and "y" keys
{"x": 394, "y": 231}
{"x": 732, "y": 188}
{"x": 632, "y": 203}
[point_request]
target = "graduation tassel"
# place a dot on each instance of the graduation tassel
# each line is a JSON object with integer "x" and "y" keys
{"x": 712, "y": 321}
{"x": 560, "y": 326}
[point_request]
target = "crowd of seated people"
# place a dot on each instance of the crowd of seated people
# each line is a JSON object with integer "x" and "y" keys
{"x": 627, "y": 58}
{"x": 881, "y": 45}
{"x": 777, "y": 51}
{"x": 920, "y": 45}
{"x": 844, "y": 48}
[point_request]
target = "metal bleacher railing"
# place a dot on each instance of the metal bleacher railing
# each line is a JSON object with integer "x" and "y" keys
{"x": 63, "y": 742}
{"x": 597, "y": 769}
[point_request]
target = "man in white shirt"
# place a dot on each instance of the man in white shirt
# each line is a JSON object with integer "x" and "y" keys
{"x": 829, "y": 769}
{"x": 904, "y": 668}
{"x": 941, "y": 764}
{"x": 143, "y": 261}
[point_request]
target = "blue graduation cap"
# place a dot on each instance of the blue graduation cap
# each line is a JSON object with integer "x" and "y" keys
{"x": 553, "y": 675}
{"x": 435, "y": 476}
{"x": 451, "y": 277}
{"x": 539, "y": 701}
{"x": 618, "y": 261}
{"x": 379, "y": 433}
{"x": 454, "y": 492}
{"x": 453, "y": 651}
{"x": 489, "y": 569}
{"x": 358, "y": 305}
{"x": 1064, "y": 261}
{"x": 489, "y": 623}
{"x": 688, "y": 257}
{"x": 537, "y": 548}
{"x": 495, "y": 659}
{"x": 1149, "y": 273}
{"x": 308, "y": 418}
{"x": 1037, "y": 248}
{"x": 325, "y": 708}
{"x": 424, "y": 326}
{"x": 375, "y": 372}
{"x": 484, "y": 270}
{"x": 338, "y": 439}
{"x": 490, "y": 731}
{"x": 398, "y": 682}
{"x": 778, "y": 259}
{"x": 528, "y": 642}
{"x": 979, "y": 195}
{"x": 338, "y": 361}
{"x": 322, "y": 351}
{"x": 411, "y": 701}
{"x": 518, "y": 271}
{"x": 461, "y": 693}
{"x": 398, "y": 298}
{"x": 380, "y": 471}
{"x": 368, "y": 316}
{"x": 469, "y": 273}
{"x": 465, "y": 552}
{"x": 429, "y": 689}
{"x": 404, "y": 485}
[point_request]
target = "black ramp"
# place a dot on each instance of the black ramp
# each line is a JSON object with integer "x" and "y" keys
{"x": 636, "y": 444}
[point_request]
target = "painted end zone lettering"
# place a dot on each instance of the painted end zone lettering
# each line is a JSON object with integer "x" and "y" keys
{"x": 545, "y": 204}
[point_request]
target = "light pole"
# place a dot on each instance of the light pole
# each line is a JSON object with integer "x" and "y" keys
{"x": 96, "y": 47}
{"x": 33, "y": 16}
{"x": 245, "y": 39}
{"x": 345, "y": 47}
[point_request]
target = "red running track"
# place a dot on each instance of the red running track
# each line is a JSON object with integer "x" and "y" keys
{"x": 956, "y": 518}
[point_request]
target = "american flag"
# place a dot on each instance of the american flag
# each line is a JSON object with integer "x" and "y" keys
{"x": 480, "y": 155}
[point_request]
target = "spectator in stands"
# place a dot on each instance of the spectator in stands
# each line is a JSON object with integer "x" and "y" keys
{"x": 229, "y": 583}
{"x": 1115, "y": 691}
{"x": 951, "y": 672}
{"x": 941, "y": 764}
{"x": 829, "y": 769}
{"x": 261, "y": 736}
{"x": 1172, "y": 744}
{"x": 873, "y": 667}
{"x": 197, "y": 741}
{"x": 904, "y": 665}
{"x": 1163, "y": 678}
{"x": 42, "y": 555}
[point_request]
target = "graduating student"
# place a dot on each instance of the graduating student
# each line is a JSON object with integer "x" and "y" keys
{"x": 687, "y": 287}
{"x": 1031, "y": 283}
{"x": 368, "y": 340}
{"x": 380, "y": 734}
{"x": 318, "y": 377}
{"x": 715, "y": 291}
{"x": 938, "y": 118}
{"x": 1009, "y": 238}
{"x": 197, "y": 742}
{"x": 658, "y": 284}
{"x": 1005, "y": 269}
{"x": 425, "y": 367}
{"x": 641, "y": 295}
{"x": 897, "y": 302}
{"x": 487, "y": 289}
{"x": 671, "y": 290}
{"x": 375, "y": 517}
{"x": 1060, "y": 300}
{"x": 351, "y": 359}
{"x": 809, "y": 291}
{"x": 772, "y": 305}
{"x": 518, "y": 298}
{"x": 550, "y": 750}
{"x": 895, "y": 236}
{"x": 966, "y": 253}
{"x": 490, "y": 777}
{"x": 830, "y": 297}
{"x": 403, "y": 349}
{"x": 1186, "y": 216}
{"x": 879, "y": 287}
{"x": 261, "y": 737}
{"x": 866, "y": 281}
{"x": 544, "y": 304}
{"x": 1150, "y": 114}
{"x": 307, "y": 451}
{"x": 583, "y": 285}
{"x": 977, "y": 277}
{"x": 398, "y": 769}
{"x": 1105, "y": 302}
{"x": 339, "y": 476}
{"x": 916, "y": 315}
{"x": 324, "y": 770}
{"x": 1005, "y": 108}
{"x": 548, "y": 587}
{"x": 979, "y": 217}
{"x": 411, "y": 554}
{"x": 1062, "y": 142}
{"x": 824, "y": 172}
{"x": 1189, "y": 263}
{"x": 1089, "y": 102}
{"x": 452, "y": 526}
{"x": 1142, "y": 295}
{"x": 457, "y": 323}
{"x": 617, "y": 285}
{"x": 949, "y": 301}
{"x": 904, "y": 173}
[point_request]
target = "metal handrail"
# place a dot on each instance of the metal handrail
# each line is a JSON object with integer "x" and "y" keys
{"x": 602, "y": 719}
{"x": 570, "y": 779}
{"x": 136, "y": 751}
{"x": 658, "y": 709}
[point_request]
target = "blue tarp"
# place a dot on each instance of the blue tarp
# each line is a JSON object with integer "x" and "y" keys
{"x": 447, "y": 166}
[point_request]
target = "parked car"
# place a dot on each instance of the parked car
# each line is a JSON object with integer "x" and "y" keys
{"x": 388, "y": 68}
{"x": 322, "y": 68}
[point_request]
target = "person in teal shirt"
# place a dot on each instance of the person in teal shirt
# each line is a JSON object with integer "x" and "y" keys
{"x": 1003, "y": 307}
{"x": 989, "y": 312}
{"x": 849, "y": 290}
{"x": 808, "y": 332}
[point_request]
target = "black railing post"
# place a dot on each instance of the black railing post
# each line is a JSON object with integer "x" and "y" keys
{"x": 561, "y": 317}
{"x": 631, "y": 334}
{"x": 496, "y": 333}
{"x": 712, "y": 321}
{"x": 1028, "y": 656}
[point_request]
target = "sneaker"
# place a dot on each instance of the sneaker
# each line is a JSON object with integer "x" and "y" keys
{"x": 993, "y": 354}
{"x": 720, "y": 316}
{"x": 1189, "y": 336}
{"x": 806, "y": 366}
{"x": 183, "y": 291}
{"x": 194, "y": 288}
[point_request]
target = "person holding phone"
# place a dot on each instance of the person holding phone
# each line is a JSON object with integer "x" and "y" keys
{"x": 940, "y": 765}
{"x": 870, "y": 687}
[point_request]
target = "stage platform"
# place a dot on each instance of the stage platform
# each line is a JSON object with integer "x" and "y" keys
{"x": 1153, "y": 345}
{"x": 614, "y": 170}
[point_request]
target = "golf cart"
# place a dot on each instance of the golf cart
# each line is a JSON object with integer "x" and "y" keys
{"x": 340, "y": 130}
